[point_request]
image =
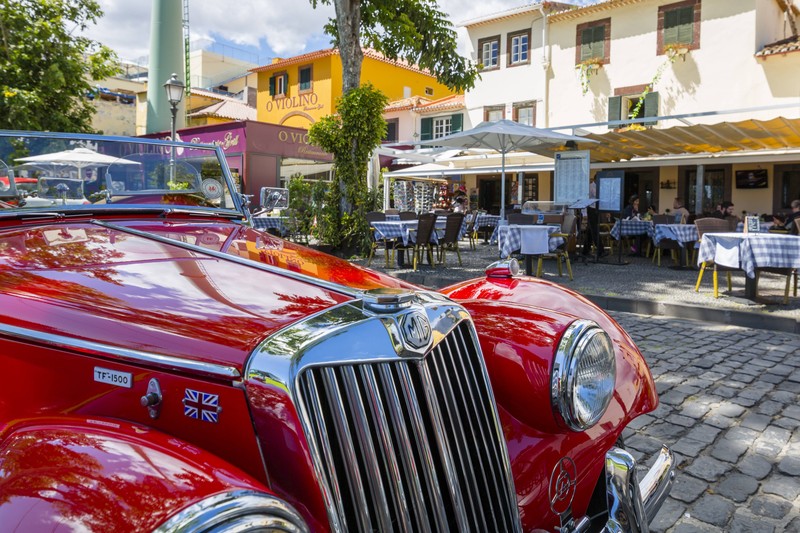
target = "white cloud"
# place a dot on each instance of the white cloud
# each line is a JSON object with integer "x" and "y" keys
{"x": 278, "y": 28}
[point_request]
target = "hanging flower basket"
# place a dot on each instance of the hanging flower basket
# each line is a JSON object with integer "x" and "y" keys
{"x": 585, "y": 69}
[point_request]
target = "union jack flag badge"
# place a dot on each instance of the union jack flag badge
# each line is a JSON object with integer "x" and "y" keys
{"x": 201, "y": 406}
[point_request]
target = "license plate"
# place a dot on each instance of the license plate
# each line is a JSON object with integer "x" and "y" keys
{"x": 113, "y": 377}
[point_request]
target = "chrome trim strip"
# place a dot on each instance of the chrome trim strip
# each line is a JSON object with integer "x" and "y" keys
{"x": 130, "y": 356}
{"x": 633, "y": 505}
{"x": 341, "y": 289}
{"x": 236, "y": 510}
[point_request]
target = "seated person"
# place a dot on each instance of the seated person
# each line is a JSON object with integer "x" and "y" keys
{"x": 788, "y": 223}
{"x": 681, "y": 213}
{"x": 724, "y": 210}
{"x": 631, "y": 210}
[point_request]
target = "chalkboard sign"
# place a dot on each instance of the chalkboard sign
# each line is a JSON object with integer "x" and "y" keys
{"x": 610, "y": 189}
{"x": 752, "y": 225}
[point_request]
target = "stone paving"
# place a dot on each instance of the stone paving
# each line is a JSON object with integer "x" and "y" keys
{"x": 729, "y": 411}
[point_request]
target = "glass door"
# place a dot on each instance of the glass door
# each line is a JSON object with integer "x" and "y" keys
{"x": 714, "y": 189}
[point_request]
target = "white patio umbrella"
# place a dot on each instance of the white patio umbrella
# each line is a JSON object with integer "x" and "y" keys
{"x": 80, "y": 158}
{"x": 505, "y": 136}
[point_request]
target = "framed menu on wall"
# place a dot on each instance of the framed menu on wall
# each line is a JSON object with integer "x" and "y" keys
{"x": 571, "y": 180}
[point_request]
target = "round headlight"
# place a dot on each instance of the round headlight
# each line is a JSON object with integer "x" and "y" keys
{"x": 584, "y": 374}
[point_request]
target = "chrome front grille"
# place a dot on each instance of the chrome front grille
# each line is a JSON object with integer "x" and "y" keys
{"x": 411, "y": 445}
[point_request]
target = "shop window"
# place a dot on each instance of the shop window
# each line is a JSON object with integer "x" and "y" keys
{"x": 593, "y": 41}
{"x": 679, "y": 24}
{"x": 279, "y": 84}
{"x": 525, "y": 113}
{"x": 304, "y": 74}
{"x": 626, "y": 105}
{"x": 494, "y": 112}
{"x": 489, "y": 50}
{"x": 715, "y": 189}
{"x": 519, "y": 48}
{"x": 435, "y": 127}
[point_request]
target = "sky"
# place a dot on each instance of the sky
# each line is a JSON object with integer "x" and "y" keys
{"x": 262, "y": 28}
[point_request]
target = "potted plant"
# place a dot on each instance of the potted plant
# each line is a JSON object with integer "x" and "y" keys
{"x": 585, "y": 69}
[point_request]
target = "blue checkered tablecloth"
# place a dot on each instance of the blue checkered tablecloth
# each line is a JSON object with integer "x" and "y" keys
{"x": 392, "y": 218}
{"x": 682, "y": 233}
{"x": 509, "y": 239}
{"x": 632, "y": 227}
{"x": 271, "y": 223}
{"x": 750, "y": 251}
{"x": 406, "y": 230}
{"x": 483, "y": 220}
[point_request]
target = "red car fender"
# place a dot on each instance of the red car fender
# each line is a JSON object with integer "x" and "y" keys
{"x": 519, "y": 331}
{"x": 103, "y": 475}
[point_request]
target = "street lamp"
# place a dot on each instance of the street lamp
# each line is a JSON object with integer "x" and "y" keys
{"x": 174, "y": 88}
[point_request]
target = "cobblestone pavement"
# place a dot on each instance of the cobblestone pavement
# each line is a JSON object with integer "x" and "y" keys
{"x": 729, "y": 411}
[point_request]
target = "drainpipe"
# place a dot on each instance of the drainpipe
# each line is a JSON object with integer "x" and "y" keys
{"x": 545, "y": 62}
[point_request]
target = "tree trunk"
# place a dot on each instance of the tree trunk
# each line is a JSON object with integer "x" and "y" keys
{"x": 348, "y": 22}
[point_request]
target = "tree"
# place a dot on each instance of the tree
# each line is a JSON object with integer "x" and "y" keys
{"x": 46, "y": 66}
{"x": 412, "y": 30}
{"x": 350, "y": 136}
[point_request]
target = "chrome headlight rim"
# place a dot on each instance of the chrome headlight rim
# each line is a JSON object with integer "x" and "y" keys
{"x": 564, "y": 380}
{"x": 234, "y": 511}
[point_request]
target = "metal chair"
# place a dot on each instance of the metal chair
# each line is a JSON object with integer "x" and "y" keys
{"x": 665, "y": 244}
{"x": 408, "y": 215}
{"x": 425, "y": 229}
{"x": 569, "y": 226}
{"x": 712, "y": 225}
{"x": 452, "y": 233}
{"x": 375, "y": 242}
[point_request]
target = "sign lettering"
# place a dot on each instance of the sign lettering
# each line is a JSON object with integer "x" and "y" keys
{"x": 308, "y": 102}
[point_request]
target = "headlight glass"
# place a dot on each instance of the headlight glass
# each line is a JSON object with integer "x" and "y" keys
{"x": 584, "y": 375}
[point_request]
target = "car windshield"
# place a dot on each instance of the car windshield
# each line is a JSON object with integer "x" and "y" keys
{"x": 80, "y": 172}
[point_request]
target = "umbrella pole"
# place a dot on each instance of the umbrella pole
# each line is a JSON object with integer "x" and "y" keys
{"x": 502, "y": 185}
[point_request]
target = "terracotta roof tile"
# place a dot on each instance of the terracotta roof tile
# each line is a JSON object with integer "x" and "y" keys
{"x": 228, "y": 109}
{"x": 405, "y": 103}
{"x": 784, "y": 46}
{"x": 455, "y": 101}
{"x": 311, "y": 56}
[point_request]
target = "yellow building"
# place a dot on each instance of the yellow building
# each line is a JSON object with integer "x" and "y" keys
{"x": 298, "y": 91}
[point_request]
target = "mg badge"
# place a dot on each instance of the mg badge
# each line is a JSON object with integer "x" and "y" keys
{"x": 562, "y": 485}
{"x": 416, "y": 329}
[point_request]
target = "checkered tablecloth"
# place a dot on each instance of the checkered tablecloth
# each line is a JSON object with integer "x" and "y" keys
{"x": 271, "y": 223}
{"x": 509, "y": 239}
{"x": 751, "y": 251}
{"x": 392, "y": 218}
{"x": 483, "y": 220}
{"x": 406, "y": 230}
{"x": 632, "y": 227}
{"x": 682, "y": 233}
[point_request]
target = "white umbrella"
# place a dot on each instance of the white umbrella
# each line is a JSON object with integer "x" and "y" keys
{"x": 505, "y": 136}
{"x": 80, "y": 158}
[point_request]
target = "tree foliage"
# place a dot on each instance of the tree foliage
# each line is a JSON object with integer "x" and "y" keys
{"x": 46, "y": 66}
{"x": 412, "y": 30}
{"x": 351, "y": 135}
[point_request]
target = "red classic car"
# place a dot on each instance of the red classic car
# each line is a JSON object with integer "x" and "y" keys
{"x": 166, "y": 367}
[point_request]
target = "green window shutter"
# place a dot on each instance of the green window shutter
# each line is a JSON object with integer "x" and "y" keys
{"x": 272, "y": 85}
{"x": 586, "y": 44}
{"x": 614, "y": 108}
{"x": 286, "y": 84}
{"x": 456, "y": 122}
{"x": 650, "y": 107}
{"x": 598, "y": 41}
{"x": 679, "y": 25}
{"x": 426, "y": 125}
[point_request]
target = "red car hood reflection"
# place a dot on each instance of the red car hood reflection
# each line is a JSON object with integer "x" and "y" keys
{"x": 85, "y": 281}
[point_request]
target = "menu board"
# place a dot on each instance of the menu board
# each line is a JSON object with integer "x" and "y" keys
{"x": 609, "y": 190}
{"x": 571, "y": 182}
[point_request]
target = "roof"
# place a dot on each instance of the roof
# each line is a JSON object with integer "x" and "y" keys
{"x": 575, "y": 12}
{"x": 777, "y": 134}
{"x": 228, "y": 109}
{"x": 279, "y": 64}
{"x": 784, "y": 46}
{"x": 405, "y": 104}
{"x": 213, "y": 94}
{"x": 454, "y": 101}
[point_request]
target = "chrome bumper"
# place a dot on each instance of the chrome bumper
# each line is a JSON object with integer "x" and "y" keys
{"x": 632, "y": 505}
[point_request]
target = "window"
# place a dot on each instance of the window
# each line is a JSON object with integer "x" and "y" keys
{"x": 279, "y": 84}
{"x": 679, "y": 23}
{"x": 428, "y": 91}
{"x": 525, "y": 113}
{"x": 495, "y": 112}
{"x": 716, "y": 188}
{"x": 623, "y": 105}
{"x": 435, "y": 127}
{"x": 519, "y": 48}
{"x": 530, "y": 187}
{"x": 489, "y": 50}
{"x": 392, "y": 127}
{"x": 304, "y": 74}
{"x": 593, "y": 41}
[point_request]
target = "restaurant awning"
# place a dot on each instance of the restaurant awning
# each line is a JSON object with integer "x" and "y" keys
{"x": 747, "y": 135}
